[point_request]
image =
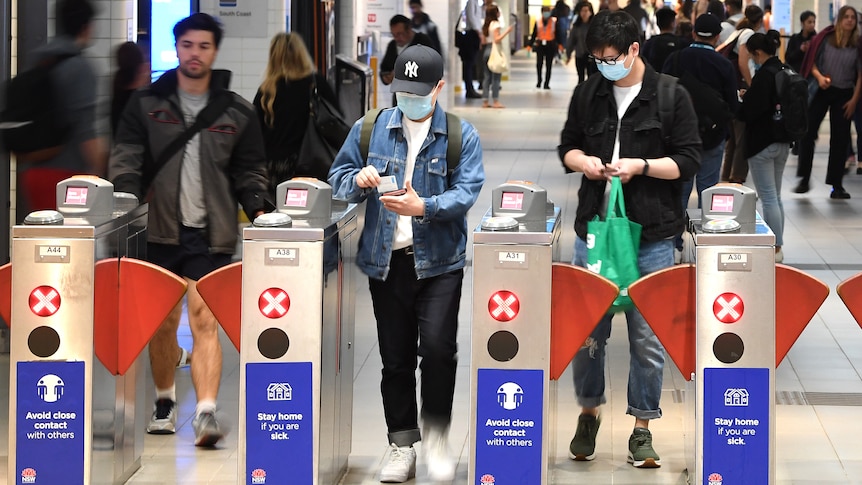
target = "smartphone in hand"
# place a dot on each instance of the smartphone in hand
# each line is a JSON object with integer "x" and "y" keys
{"x": 395, "y": 193}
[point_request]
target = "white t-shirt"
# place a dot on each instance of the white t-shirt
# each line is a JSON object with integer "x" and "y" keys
{"x": 415, "y": 132}
{"x": 624, "y": 97}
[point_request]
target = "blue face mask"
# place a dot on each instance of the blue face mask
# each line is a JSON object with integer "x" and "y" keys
{"x": 615, "y": 72}
{"x": 546, "y": 15}
{"x": 413, "y": 106}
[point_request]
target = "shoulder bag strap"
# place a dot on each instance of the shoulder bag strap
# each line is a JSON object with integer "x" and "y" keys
{"x": 365, "y": 131}
{"x": 204, "y": 119}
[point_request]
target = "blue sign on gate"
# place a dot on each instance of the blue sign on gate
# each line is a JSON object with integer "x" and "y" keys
{"x": 735, "y": 426}
{"x": 509, "y": 426}
{"x": 279, "y": 436}
{"x": 49, "y": 425}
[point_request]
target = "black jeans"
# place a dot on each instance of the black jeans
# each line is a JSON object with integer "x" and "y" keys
{"x": 833, "y": 101}
{"x": 416, "y": 318}
{"x": 544, "y": 55}
{"x": 469, "y": 52}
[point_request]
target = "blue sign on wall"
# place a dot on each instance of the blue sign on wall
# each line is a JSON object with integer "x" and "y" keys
{"x": 279, "y": 435}
{"x": 736, "y": 426}
{"x": 49, "y": 429}
{"x": 509, "y": 426}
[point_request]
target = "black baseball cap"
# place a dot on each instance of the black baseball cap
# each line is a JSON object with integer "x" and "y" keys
{"x": 707, "y": 26}
{"x": 418, "y": 69}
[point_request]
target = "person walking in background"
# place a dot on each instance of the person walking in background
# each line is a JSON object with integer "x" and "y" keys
{"x": 657, "y": 49}
{"x": 714, "y": 92}
{"x": 194, "y": 190}
{"x": 602, "y": 138}
{"x": 132, "y": 73}
{"x": 734, "y": 16}
{"x": 75, "y": 89}
{"x": 797, "y": 46}
{"x": 544, "y": 42}
{"x": 472, "y": 44}
{"x": 493, "y": 33}
{"x": 282, "y": 104}
{"x": 735, "y": 166}
{"x": 577, "y": 41}
{"x": 413, "y": 250}
{"x": 422, "y": 23}
{"x": 767, "y": 156}
{"x": 563, "y": 13}
{"x": 833, "y": 62}
{"x": 403, "y": 37}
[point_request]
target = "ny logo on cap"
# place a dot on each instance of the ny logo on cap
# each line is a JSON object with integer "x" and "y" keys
{"x": 411, "y": 69}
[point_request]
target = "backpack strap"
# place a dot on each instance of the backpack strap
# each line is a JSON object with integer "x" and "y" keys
{"x": 365, "y": 131}
{"x": 453, "y": 147}
{"x": 453, "y": 130}
{"x": 666, "y": 102}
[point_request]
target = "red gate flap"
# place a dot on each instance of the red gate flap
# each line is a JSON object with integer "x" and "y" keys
{"x": 6, "y": 293}
{"x": 579, "y": 299}
{"x": 106, "y": 313}
{"x": 850, "y": 291}
{"x": 798, "y": 296}
{"x": 222, "y": 292}
{"x": 148, "y": 294}
{"x": 666, "y": 299}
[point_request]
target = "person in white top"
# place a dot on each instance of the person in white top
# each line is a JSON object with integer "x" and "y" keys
{"x": 494, "y": 33}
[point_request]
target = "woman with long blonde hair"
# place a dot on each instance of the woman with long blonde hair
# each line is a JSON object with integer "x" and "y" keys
{"x": 832, "y": 61}
{"x": 282, "y": 103}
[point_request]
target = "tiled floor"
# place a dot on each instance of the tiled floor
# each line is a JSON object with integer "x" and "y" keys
{"x": 816, "y": 444}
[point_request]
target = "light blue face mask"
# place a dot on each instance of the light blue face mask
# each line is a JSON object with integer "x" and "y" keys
{"x": 413, "y": 106}
{"x": 546, "y": 15}
{"x": 616, "y": 71}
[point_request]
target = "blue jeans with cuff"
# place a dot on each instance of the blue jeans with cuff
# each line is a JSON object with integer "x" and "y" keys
{"x": 646, "y": 369}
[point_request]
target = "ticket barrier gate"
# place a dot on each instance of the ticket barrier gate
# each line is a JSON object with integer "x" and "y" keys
{"x": 524, "y": 332}
{"x": 288, "y": 307}
{"x": 727, "y": 322}
{"x": 81, "y": 313}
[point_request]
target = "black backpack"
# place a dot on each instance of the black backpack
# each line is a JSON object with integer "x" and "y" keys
{"x": 790, "y": 119}
{"x": 32, "y": 123}
{"x": 713, "y": 113}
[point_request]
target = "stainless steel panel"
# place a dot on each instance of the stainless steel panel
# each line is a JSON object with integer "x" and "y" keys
{"x": 319, "y": 323}
{"x": 755, "y": 286}
{"x": 518, "y": 262}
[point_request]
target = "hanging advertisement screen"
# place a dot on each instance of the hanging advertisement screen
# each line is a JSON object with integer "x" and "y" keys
{"x": 164, "y": 15}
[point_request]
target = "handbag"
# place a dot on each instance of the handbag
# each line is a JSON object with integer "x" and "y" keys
{"x": 497, "y": 61}
{"x": 324, "y": 134}
{"x": 613, "y": 245}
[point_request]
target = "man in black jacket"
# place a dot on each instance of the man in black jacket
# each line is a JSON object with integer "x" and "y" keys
{"x": 403, "y": 36}
{"x": 614, "y": 129}
{"x": 193, "y": 195}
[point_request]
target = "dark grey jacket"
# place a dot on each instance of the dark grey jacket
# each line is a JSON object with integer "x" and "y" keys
{"x": 232, "y": 161}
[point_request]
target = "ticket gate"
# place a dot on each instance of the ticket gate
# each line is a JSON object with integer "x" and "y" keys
{"x": 522, "y": 333}
{"x": 727, "y": 323}
{"x": 289, "y": 309}
{"x": 81, "y": 313}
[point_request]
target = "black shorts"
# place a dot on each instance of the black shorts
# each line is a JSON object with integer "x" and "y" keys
{"x": 191, "y": 259}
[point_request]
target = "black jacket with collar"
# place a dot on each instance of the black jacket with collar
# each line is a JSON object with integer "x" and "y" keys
{"x": 232, "y": 160}
{"x": 654, "y": 203}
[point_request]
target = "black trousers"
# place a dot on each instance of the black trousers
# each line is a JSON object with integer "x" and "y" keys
{"x": 833, "y": 101}
{"x": 469, "y": 54}
{"x": 545, "y": 54}
{"x": 416, "y": 318}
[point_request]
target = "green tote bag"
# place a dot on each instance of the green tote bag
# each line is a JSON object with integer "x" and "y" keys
{"x": 612, "y": 247}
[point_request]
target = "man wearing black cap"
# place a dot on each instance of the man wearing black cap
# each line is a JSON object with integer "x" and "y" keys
{"x": 710, "y": 80}
{"x": 413, "y": 249}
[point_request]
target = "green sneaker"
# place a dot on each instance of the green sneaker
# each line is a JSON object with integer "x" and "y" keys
{"x": 641, "y": 453}
{"x": 583, "y": 445}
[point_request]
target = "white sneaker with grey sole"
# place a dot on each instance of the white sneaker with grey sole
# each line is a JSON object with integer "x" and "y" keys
{"x": 401, "y": 465}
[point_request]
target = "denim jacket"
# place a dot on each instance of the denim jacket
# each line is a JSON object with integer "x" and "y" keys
{"x": 440, "y": 235}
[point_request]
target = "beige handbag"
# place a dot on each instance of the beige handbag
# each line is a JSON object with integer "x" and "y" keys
{"x": 497, "y": 61}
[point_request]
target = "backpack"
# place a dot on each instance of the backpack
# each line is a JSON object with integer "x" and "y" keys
{"x": 453, "y": 149}
{"x": 790, "y": 119}
{"x": 32, "y": 124}
{"x": 713, "y": 113}
{"x": 728, "y": 50}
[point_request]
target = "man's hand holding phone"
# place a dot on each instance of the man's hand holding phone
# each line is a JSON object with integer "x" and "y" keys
{"x": 406, "y": 204}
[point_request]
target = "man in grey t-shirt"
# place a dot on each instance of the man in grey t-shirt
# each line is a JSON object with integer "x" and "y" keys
{"x": 193, "y": 197}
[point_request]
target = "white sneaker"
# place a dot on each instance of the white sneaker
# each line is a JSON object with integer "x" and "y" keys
{"x": 401, "y": 465}
{"x": 779, "y": 256}
{"x": 164, "y": 419}
{"x": 441, "y": 466}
